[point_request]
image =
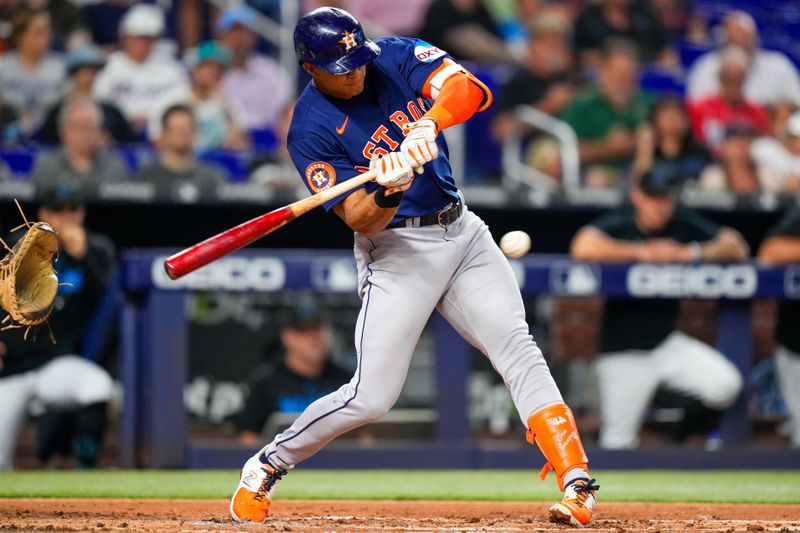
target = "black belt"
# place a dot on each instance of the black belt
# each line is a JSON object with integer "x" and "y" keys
{"x": 443, "y": 217}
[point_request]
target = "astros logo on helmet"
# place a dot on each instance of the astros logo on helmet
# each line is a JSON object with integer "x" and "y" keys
{"x": 332, "y": 39}
{"x": 349, "y": 40}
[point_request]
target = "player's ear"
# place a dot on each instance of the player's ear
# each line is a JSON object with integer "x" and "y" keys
{"x": 311, "y": 69}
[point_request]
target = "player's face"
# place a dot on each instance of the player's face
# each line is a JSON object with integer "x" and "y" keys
{"x": 311, "y": 344}
{"x": 653, "y": 213}
{"x": 60, "y": 218}
{"x": 344, "y": 86}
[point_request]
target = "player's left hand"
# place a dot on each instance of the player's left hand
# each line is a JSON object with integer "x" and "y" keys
{"x": 420, "y": 146}
{"x": 394, "y": 172}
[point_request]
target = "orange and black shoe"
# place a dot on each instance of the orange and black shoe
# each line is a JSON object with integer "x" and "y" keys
{"x": 578, "y": 503}
{"x": 257, "y": 484}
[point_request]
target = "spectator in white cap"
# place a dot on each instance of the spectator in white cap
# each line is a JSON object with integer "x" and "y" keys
{"x": 252, "y": 76}
{"x": 771, "y": 77}
{"x": 778, "y": 160}
{"x": 220, "y": 121}
{"x": 136, "y": 79}
{"x": 31, "y": 76}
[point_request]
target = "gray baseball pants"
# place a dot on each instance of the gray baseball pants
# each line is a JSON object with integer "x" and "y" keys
{"x": 404, "y": 275}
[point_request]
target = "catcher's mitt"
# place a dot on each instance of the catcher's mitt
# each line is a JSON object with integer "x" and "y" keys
{"x": 28, "y": 281}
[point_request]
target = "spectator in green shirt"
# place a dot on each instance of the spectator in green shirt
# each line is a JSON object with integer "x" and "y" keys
{"x": 605, "y": 117}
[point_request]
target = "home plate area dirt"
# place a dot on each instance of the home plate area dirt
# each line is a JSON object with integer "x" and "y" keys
{"x": 416, "y": 516}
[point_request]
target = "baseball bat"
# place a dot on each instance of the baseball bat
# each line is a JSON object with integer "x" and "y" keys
{"x": 229, "y": 241}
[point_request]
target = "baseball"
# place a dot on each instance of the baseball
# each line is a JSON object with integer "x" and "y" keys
{"x": 515, "y": 244}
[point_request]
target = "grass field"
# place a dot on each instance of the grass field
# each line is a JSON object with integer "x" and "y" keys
{"x": 496, "y": 485}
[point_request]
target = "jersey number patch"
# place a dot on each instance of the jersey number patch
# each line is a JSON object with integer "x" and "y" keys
{"x": 320, "y": 176}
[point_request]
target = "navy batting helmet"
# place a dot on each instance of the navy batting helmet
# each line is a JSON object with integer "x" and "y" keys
{"x": 332, "y": 39}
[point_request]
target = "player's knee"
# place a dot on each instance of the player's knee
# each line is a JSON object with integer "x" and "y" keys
{"x": 347, "y": 392}
{"x": 374, "y": 412}
{"x": 724, "y": 388}
{"x": 375, "y": 407}
{"x": 95, "y": 387}
{"x": 378, "y": 409}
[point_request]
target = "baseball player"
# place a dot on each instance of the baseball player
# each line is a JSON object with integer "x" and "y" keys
{"x": 382, "y": 105}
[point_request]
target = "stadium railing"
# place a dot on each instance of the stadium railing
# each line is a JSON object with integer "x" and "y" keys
{"x": 516, "y": 171}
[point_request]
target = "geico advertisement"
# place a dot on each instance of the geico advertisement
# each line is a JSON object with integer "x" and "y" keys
{"x": 706, "y": 281}
{"x": 262, "y": 274}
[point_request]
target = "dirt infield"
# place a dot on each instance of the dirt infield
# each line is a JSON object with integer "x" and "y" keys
{"x": 340, "y": 516}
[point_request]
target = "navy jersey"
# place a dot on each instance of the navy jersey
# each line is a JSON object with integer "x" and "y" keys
{"x": 332, "y": 140}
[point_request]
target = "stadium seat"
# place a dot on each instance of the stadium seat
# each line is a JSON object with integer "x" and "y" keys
{"x": 136, "y": 156}
{"x": 19, "y": 159}
{"x": 234, "y": 163}
{"x": 660, "y": 82}
{"x": 689, "y": 53}
{"x": 264, "y": 140}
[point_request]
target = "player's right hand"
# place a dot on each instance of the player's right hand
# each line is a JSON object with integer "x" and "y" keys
{"x": 420, "y": 146}
{"x": 394, "y": 172}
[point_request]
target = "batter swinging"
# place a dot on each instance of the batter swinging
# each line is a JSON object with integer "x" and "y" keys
{"x": 381, "y": 105}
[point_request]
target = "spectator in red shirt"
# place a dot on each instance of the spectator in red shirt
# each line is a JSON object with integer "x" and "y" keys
{"x": 711, "y": 116}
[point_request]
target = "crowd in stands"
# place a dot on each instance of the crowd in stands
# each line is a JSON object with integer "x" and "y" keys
{"x": 76, "y": 103}
{"x": 662, "y": 95}
{"x": 712, "y": 124}
{"x": 689, "y": 85}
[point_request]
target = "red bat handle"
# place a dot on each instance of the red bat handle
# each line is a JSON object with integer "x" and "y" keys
{"x": 226, "y": 242}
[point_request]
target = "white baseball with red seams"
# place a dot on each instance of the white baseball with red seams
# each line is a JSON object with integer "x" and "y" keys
{"x": 515, "y": 244}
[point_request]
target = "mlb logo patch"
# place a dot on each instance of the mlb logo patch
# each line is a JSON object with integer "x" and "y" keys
{"x": 574, "y": 279}
{"x": 791, "y": 282}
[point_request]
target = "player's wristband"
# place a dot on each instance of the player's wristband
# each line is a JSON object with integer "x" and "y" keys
{"x": 381, "y": 200}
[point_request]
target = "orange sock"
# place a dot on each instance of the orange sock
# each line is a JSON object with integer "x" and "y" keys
{"x": 554, "y": 430}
